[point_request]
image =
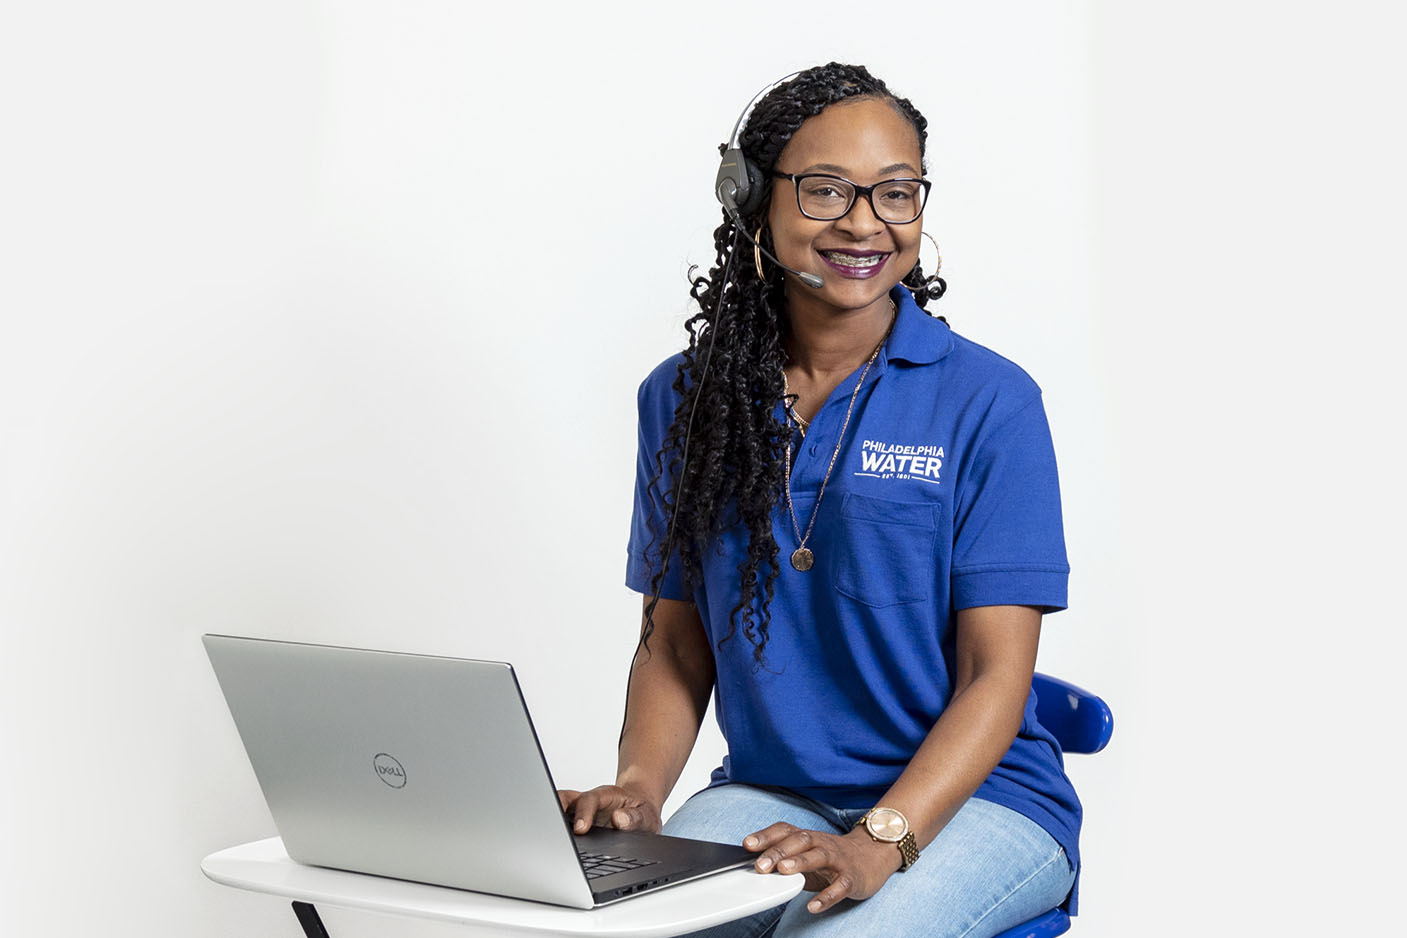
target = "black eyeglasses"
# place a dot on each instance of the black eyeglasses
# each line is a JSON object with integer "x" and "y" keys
{"x": 824, "y": 197}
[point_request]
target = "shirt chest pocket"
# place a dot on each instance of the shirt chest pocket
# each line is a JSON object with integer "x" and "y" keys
{"x": 886, "y": 553}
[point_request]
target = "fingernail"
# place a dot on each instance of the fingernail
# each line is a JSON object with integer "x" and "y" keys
{"x": 786, "y": 864}
{"x": 814, "y": 905}
{"x": 750, "y": 842}
{"x": 580, "y": 824}
{"x": 764, "y": 864}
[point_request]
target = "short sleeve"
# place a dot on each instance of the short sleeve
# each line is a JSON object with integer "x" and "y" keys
{"x": 1008, "y": 536}
{"x": 649, "y": 518}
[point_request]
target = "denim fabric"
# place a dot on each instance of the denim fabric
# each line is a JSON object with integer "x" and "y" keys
{"x": 988, "y": 870}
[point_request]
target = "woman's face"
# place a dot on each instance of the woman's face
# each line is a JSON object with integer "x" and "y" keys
{"x": 859, "y": 257}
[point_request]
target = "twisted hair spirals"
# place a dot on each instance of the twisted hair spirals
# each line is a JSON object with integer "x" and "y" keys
{"x": 732, "y": 471}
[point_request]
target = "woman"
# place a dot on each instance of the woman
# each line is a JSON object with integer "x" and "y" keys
{"x": 860, "y": 517}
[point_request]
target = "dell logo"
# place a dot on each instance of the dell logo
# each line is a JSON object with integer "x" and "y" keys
{"x": 389, "y": 770}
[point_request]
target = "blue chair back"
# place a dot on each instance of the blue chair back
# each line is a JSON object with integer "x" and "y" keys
{"x": 1080, "y": 722}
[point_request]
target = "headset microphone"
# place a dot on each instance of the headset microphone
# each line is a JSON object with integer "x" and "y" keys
{"x": 730, "y": 206}
{"x": 811, "y": 280}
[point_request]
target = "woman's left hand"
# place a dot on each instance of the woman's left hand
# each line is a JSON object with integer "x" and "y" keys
{"x": 849, "y": 866}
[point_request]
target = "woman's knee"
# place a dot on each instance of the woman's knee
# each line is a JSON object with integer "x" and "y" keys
{"x": 989, "y": 870}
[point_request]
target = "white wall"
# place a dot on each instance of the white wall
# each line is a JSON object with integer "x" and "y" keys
{"x": 323, "y": 322}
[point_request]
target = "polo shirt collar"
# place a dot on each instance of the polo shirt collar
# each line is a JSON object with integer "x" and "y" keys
{"x": 918, "y": 338}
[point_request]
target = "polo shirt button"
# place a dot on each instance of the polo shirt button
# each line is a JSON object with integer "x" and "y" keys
{"x": 813, "y": 449}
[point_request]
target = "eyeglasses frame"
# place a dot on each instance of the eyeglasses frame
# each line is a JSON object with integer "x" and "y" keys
{"x": 866, "y": 191}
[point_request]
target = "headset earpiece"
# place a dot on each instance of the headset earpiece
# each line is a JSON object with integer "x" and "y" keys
{"x": 739, "y": 185}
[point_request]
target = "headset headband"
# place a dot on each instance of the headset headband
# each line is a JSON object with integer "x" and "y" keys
{"x": 733, "y": 141}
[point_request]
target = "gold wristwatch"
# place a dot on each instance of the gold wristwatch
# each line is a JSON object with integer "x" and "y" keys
{"x": 889, "y": 826}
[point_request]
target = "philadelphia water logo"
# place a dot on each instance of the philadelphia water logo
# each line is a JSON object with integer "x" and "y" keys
{"x": 920, "y": 462}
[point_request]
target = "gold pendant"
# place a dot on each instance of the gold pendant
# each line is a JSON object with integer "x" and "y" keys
{"x": 802, "y": 559}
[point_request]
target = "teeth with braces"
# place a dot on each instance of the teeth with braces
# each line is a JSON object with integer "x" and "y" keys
{"x": 850, "y": 260}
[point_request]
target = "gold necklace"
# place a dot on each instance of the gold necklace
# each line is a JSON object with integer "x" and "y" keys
{"x": 803, "y": 558}
{"x": 802, "y": 423}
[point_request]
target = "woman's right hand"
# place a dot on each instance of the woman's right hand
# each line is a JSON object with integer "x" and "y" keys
{"x": 610, "y": 806}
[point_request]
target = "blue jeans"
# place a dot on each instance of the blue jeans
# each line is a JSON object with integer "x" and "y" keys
{"x": 988, "y": 870}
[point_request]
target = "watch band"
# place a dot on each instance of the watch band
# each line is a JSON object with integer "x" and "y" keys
{"x": 908, "y": 851}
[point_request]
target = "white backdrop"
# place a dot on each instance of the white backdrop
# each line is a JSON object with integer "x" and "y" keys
{"x": 323, "y": 321}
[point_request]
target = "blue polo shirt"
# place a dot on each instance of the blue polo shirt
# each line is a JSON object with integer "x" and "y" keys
{"x": 944, "y": 496}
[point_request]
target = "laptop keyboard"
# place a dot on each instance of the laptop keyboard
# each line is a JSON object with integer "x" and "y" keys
{"x": 601, "y": 864}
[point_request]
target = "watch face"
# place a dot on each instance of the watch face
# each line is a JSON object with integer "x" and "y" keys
{"x": 887, "y": 825}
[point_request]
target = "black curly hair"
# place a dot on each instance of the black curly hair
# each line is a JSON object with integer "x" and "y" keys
{"x": 730, "y": 378}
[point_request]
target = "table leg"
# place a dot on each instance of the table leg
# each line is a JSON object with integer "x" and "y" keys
{"x": 309, "y": 919}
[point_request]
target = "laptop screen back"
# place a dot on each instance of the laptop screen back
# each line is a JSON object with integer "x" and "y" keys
{"x": 410, "y": 766}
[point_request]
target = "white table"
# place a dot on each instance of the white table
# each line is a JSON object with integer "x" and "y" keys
{"x": 264, "y": 866}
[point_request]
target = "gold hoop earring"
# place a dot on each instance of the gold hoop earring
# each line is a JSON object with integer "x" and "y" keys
{"x": 933, "y": 284}
{"x": 757, "y": 254}
{"x": 938, "y": 266}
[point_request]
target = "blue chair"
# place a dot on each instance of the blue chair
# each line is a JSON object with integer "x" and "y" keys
{"x": 1081, "y": 722}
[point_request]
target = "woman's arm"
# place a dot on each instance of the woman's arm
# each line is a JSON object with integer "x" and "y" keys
{"x": 995, "y": 661}
{"x": 667, "y": 697}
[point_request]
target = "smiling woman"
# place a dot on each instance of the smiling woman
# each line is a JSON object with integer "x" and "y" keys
{"x": 874, "y": 690}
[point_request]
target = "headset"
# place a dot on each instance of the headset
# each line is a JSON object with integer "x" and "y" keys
{"x": 740, "y": 186}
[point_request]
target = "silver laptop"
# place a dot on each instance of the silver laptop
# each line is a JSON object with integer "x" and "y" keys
{"x": 427, "y": 769}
